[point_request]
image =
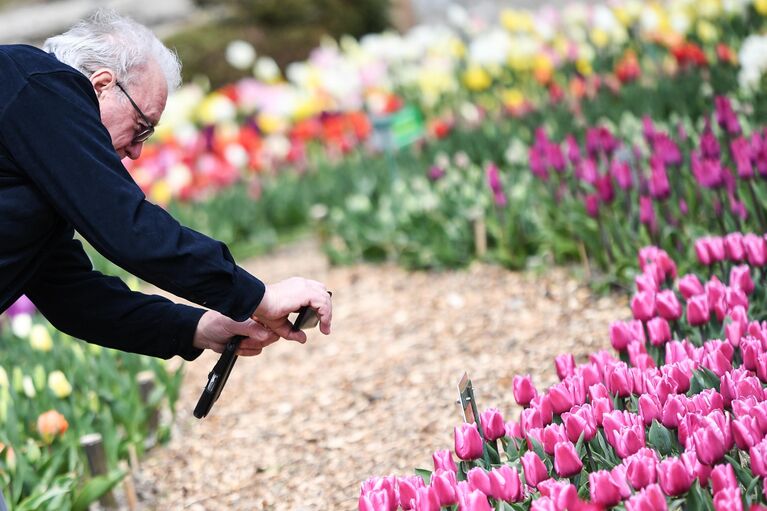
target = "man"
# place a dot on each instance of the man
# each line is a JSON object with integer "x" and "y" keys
{"x": 68, "y": 115}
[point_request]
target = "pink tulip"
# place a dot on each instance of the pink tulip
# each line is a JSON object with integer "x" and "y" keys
{"x": 492, "y": 424}
{"x": 668, "y": 305}
{"x": 580, "y": 420}
{"x": 542, "y": 404}
{"x": 711, "y": 442}
{"x": 716, "y": 249}
{"x": 566, "y": 460}
{"x": 759, "y": 458}
{"x": 477, "y": 501}
{"x": 426, "y": 499}
{"x": 552, "y": 435}
{"x": 618, "y": 380}
{"x": 689, "y": 286}
{"x": 641, "y": 468}
{"x": 601, "y": 406}
{"x": 659, "y": 331}
{"x": 513, "y": 430}
{"x": 649, "y": 408}
{"x": 408, "y": 488}
{"x": 443, "y": 460}
{"x": 697, "y": 310}
{"x": 524, "y": 390}
{"x": 674, "y": 476}
{"x": 649, "y": 499}
{"x": 723, "y": 477}
{"x": 563, "y": 493}
{"x": 505, "y": 484}
{"x": 561, "y": 398}
{"x": 444, "y": 484}
{"x": 756, "y": 249}
{"x": 702, "y": 252}
{"x": 535, "y": 470}
{"x": 643, "y": 305}
{"x": 733, "y": 246}
{"x": 740, "y": 278}
{"x": 479, "y": 479}
{"x": 565, "y": 364}
{"x": 728, "y": 499}
{"x": 674, "y": 408}
{"x": 604, "y": 490}
{"x": 623, "y": 333}
{"x": 377, "y": 500}
{"x": 468, "y": 443}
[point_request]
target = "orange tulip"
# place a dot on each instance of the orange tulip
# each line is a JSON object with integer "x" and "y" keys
{"x": 50, "y": 424}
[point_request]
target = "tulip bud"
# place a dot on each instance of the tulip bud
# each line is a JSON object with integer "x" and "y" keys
{"x": 756, "y": 249}
{"x": 534, "y": 469}
{"x": 477, "y": 501}
{"x": 649, "y": 499}
{"x": 649, "y": 408}
{"x": 697, "y": 310}
{"x": 40, "y": 339}
{"x": 426, "y": 499}
{"x": 505, "y": 484}
{"x": 51, "y": 424}
{"x": 377, "y": 500}
{"x": 668, "y": 305}
{"x": 604, "y": 490}
{"x": 468, "y": 443}
{"x": 722, "y": 477}
{"x": 641, "y": 468}
{"x": 443, "y": 460}
{"x": 492, "y": 424}
{"x": 565, "y": 364}
{"x": 566, "y": 460}
{"x": 408, "y": 489}
{"x": 759, "y": 458}
{"x": 580, "y": 421}
{"x": 58, "y": 383}
{"x": 643, "y": 305}
{"x": 524, "y": 390}
{"x": 659, "y": 330}
{"x": 444, "y": 484}
{"x": 702, "y": 251}
{"x": 729, "y": 499}
{"x": 689, "y": 286}
{"x": 674, "y": 476}
{"x": 740, "y": 278}
{"x": 479, "y": 479}
{"x": 733, "y": 247}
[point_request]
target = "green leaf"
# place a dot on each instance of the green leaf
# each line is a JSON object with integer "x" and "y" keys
{"x": 579, "y": 446}
{"x": 702, "y": 379}
{"x": 425, "y": 474}
{"x": 660, "y": 438}
{"x": 744, "y": 475}
{"x": 96, "y": 488}
{"x": 698, "y": 500}
{"x": 538, "y": 448}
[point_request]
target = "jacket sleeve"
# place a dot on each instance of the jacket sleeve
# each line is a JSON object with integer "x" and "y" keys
{"x": 102, "y": 310}
{"x": 53, "y": 131}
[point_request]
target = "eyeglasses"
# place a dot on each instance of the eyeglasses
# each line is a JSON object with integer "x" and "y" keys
{"x": 145, "y": 131}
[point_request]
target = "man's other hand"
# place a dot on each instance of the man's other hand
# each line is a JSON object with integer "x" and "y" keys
{"x": 215, "y": 330}
{"x": 286, "y": 297}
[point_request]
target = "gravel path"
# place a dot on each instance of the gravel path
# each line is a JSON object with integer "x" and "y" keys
{"x": 301, "y": 426}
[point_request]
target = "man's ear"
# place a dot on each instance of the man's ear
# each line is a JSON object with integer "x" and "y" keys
{"x": 102, "y": 80}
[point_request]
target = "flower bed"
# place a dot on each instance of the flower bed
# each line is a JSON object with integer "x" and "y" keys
{"x": 53, "y": 391}
{"x": 677, "y": 418}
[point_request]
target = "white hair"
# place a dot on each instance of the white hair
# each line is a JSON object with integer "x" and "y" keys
{"x": 107, "y": 39}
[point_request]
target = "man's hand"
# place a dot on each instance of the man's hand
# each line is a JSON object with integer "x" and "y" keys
{"x": 215, "y": 330}
{"x": 288, "y": 296}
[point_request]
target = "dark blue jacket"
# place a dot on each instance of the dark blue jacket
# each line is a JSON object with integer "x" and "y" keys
{"x": 59, "y": 174}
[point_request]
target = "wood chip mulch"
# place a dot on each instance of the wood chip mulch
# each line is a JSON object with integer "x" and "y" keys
{"x": 301, "y": 426}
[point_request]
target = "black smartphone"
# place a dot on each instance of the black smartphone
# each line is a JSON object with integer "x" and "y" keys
{"x": 217, "y": 377}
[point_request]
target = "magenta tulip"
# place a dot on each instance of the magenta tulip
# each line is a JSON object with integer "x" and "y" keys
{"x": 643, "y": 305}
{"x": 479, "y": 479}
{"x": 740, "y": 278}
{"x": 468, "y": 443}
{"x": 697, "y": 310}
{"x": 689, "y": 286}
{"x": 492, "y": 424}
{"x": 641, "y": 468}
{"x": 426, "y": 499}
{"x": 756, "y": 249}
{"x": 668, "y": 305}
{"x": 605, "y": 491}
{"x": 649, "y": 408}
{"x": 649, "y": 499}
{"x": 443, "y": 460}
{"x": 408, "y": 488}
{"x": 674, "y": 476}
{"x": 505, "y": 484}
{"x": 723, "y": 477}
{"x": 659, "y": 331}
{"x": 702, "y": 252}
{"x": 733, "y": 246}
{"x": 444, "y": 484}
{"x": 565, "y": 364}
{"x": 566, "y": 460}
{"x": 523, "y": 389}
{"x": 759, "y": 458}
{"x": 729, "y": 499}
{"x": 534, "y": 469}
{"x": 376, "y": 500}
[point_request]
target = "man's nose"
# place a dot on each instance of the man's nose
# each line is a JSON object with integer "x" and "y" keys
{"x": 134, "y": 150}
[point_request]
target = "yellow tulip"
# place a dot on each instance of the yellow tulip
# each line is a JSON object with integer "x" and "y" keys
{"x": 517, "y": 21}
{"x": 40, "y": 339}
{"x": 584, "y": 67}
{"x": 599, "y": 37}
{"x": 270, "y": 123}
{"x": 477, "y": 79}
{"x": 761, "y": 7}
{"x": 513, "y": 98}
{"x": 160, "y": 193}
{"x": 707, "y": 31}
{"x": 59, "y": 384}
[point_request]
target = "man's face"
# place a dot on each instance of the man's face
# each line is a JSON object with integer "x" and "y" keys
{"x": 121, "y": 118}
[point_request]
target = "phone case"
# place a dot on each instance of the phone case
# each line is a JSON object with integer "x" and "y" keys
{"x": 217, "y": 378}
